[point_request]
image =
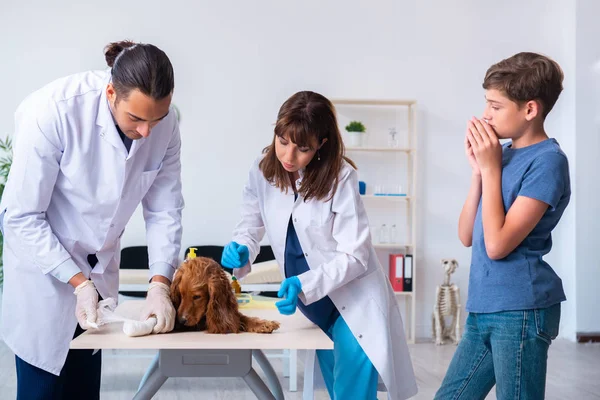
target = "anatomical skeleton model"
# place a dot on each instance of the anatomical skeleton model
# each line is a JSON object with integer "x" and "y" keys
{"x": 447, "y": 304}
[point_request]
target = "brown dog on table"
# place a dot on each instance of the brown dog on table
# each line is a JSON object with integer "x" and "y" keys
{"x": 204, "y": 300}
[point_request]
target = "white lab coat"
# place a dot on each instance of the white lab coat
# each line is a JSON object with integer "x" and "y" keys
{"x": 343, "y": 265}
{"x": 72, "y": 189}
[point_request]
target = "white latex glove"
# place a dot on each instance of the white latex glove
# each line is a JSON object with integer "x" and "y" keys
{"x": 86, "y": 309}
{"x": 159, "y": 305}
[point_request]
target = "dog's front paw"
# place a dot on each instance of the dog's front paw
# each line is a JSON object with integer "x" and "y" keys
{"x": 267, "y": 327}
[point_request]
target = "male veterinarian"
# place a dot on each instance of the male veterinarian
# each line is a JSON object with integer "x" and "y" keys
{"x": 89, "y": 148}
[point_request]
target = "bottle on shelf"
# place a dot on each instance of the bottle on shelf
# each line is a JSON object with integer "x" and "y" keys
{"x": 393, "y": 234}
{"x": 384, "y": 234}
{"x": 392, "y": 142}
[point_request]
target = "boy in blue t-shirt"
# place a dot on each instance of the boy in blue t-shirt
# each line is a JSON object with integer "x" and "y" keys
{"x": 518, "y": 194}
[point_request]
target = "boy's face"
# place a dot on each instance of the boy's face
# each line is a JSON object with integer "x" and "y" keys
{"x": 508, "y": 119}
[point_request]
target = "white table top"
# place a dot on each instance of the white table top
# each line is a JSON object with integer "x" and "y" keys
{"x": 295, "y": 332}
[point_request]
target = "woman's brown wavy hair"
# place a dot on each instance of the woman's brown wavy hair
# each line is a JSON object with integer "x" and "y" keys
{"x": 308, "y": 118}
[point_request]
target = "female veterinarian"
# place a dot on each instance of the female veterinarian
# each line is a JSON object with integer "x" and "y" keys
{"x": 83, "y": 161}
{"x": 303, "y": 193}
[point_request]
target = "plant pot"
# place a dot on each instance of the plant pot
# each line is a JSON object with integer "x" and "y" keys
{"x": 355, "y": 139}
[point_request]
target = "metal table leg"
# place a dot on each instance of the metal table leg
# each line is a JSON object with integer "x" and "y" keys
{"x": 151, "y": 368}
{"x": 271, "y": 376}
{"x": 293, "y": 369}
{"x": 152, "y": 381}
{"x": 258, "y": 387}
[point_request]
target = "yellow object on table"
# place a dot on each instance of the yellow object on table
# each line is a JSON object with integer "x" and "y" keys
{"x": 192, "y": 253}
{"x": 255, "y": 304}
{"x": 243, "y": 298}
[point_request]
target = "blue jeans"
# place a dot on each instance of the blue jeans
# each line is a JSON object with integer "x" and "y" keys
{"x": 347, "y": 371}
{"x": 508, "y": 349}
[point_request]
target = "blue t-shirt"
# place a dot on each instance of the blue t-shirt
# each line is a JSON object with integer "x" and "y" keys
{"x": 323, "y": 312}
{"x": 523, "y": 280}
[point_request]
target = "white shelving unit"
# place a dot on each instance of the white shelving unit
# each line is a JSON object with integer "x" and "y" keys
{"x": 399, "y": 162}
{"x": 385, "y": 149}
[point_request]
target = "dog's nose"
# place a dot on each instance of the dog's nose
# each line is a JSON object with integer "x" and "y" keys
{"x": 182, "y": 320}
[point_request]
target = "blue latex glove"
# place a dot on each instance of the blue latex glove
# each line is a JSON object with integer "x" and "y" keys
{"x": 234, "y": 255}
{"x": 290, "y": 288}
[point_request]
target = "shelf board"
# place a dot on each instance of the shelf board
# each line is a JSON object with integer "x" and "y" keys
{"x": 403, "y": 293}
{"x": 374, "y": 102}
{"x": 390, "y": 245}
{"x": 386, "y": 149}
{"x": 388, "y": 198}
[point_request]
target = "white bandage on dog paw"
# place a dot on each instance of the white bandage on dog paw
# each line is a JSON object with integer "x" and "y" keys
{"x": 131, "y": 327}
{"x": 139, "y": 328}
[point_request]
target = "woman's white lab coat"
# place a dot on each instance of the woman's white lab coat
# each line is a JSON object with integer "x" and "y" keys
{"x": 72, "y": 188}
{"x": 343, "y": 264}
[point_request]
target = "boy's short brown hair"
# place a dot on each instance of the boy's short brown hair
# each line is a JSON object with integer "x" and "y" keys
{"x": 527, "y": 76}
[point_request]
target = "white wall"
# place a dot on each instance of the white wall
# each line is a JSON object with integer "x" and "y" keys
{"x": 588, "y": 185}
{"x": 236, "y": 64}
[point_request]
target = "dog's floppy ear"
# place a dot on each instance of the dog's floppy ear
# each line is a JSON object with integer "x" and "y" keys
{"x": 175, "y": 294}
{"x": 222, "y": 315}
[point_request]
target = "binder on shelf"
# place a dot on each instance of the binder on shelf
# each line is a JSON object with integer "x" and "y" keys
{"x": 397, "y": 271}
{"x": 408, "y": 270}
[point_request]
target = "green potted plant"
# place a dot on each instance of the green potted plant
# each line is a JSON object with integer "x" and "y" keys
{"x": 5, "y": 163}
{"x": 355, "y": 131}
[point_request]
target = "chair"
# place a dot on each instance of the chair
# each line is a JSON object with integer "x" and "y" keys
{"x": 133, "y": 258}
{"x": 215, "y": 252}
{"x": 210, "y": 251}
